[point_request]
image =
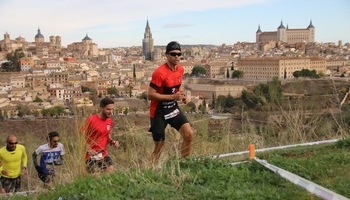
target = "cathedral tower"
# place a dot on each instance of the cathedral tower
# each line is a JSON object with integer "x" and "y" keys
{"x": 147, "y": 44}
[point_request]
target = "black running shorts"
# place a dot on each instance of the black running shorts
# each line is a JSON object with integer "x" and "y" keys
{"x": 158, "y": 124}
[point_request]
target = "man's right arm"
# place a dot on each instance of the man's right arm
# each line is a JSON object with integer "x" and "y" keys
{"x": 35, "y": 160}
{"x": 38, "y": 168}
{"x": 2, "y": 170}
{"x": 86, "y": 131}
{"x": 153, "y": 95}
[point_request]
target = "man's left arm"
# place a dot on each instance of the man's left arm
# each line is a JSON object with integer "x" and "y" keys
{"x": 112, "y": 142}
{"x": 1, "y": 168}
{"x": 186, "y": 99}
{"x": 24, "y": 161}
{"x": 62, "y": 153}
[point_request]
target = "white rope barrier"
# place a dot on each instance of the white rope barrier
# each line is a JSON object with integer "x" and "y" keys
{"x": 238, "y": 163}
{"x": 274, "y": 148}
{"x": 22, "y": 193}
{"x": 314, "y": 188}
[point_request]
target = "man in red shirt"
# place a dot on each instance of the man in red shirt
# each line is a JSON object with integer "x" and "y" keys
{"x": 97, "y": 130}
{"x": 164, "y": 92}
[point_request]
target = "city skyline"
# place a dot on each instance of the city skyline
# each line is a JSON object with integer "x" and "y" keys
{"x": 117, "y": 23}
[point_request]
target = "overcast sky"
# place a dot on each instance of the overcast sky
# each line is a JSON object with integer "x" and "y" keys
{"x": 114, "y": 23}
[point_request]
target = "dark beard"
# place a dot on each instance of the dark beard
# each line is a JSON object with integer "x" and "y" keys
{"x": 8, "y": 149}
{"x": 104, "y": 115}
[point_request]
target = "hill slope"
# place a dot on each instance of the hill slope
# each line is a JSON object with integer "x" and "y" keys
{"x": 326, "y": 165}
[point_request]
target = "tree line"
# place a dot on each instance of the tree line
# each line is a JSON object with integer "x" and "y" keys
{"x": 261, "y": 95}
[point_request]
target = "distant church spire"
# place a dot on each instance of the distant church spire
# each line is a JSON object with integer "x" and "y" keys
{"x": 147, "y": 24}
{"x": 147, "y": 43}
{"x": 259, "y": 30}
{"x": 39, "y": 35}
{"x": 310, "y": 25}
{"x": 281, "y": 25}
{"x": 39, "y": 38}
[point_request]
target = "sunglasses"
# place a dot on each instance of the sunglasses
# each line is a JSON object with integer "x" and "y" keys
{"x": 12, "y": 142}
{"x": 175, "y": 54}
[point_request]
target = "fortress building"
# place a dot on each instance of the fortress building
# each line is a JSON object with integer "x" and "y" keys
{"x": 286, "y": 35}
{"x": 280, "y": 67}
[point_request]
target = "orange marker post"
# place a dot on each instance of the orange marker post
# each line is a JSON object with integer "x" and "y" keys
{"x": 251, "y": 149}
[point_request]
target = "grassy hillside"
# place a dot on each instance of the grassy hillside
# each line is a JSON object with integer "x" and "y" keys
{"x": 194, "y": 178}
{"x": 296, "y": 121}
{"x": 315, "y": 86}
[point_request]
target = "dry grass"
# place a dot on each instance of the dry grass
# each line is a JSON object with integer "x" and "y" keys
{"x": 294, "y": 125}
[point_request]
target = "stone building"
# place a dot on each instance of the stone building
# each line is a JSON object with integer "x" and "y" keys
{"x": 287, "y": 35}
{"x": 86, "y": 48}
{"x": 26, "y": 63}
{"x": 207, "y": 90}
{"x": 8, "y": 45}
{"x": 280, "y": 67}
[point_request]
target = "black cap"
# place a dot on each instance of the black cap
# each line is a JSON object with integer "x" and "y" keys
{"x": 172, "y": 46}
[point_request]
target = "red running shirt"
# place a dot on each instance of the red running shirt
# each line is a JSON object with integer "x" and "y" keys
{"x": 165, "y": 81}
{"x": 97, "y": 133}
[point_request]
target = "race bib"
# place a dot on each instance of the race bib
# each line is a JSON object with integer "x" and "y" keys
{"x": 172, "y": 114}
{"x": 97, "y": 157}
